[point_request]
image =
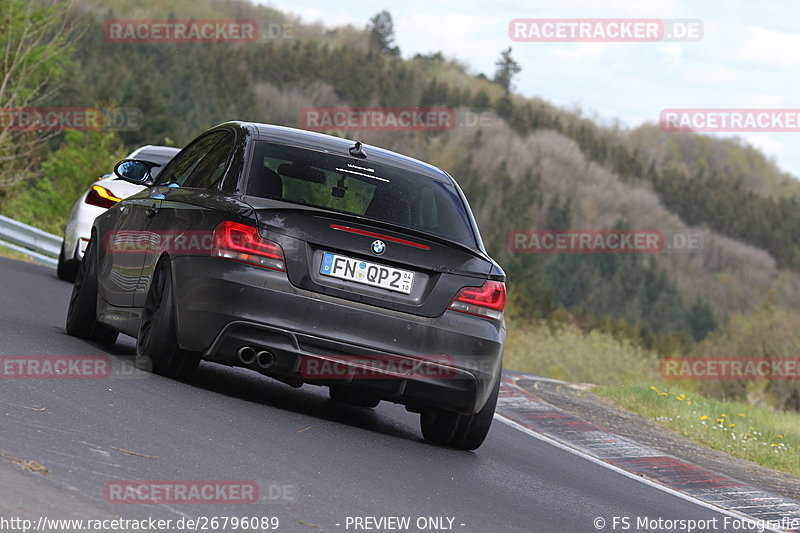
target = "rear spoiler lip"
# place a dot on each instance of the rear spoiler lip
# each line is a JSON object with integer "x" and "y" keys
{"x": 286, "y": 206}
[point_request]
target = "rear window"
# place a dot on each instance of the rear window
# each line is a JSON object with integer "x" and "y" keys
{"x": 359, "y": 187}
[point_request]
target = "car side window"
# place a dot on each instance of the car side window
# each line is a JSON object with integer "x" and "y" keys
{"x": 212, "y": 166}
{"x": 179, "y": 169}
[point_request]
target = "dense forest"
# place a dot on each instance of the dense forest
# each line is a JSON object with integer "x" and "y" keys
{"x": 522, "y": 162}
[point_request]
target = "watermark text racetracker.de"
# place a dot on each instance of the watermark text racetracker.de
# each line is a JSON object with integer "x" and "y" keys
{"x": 730, "y": 120}
{"x": 194, "y": 31}
{"x": 181, "y": 491}
{"x": 377, "y": 118}
{"x": 150, "y": 524}
{"x": 198, "y": 492}
{"x": 70, "y": 367}
{"x": 585, "y": 241}
{"x": 192, "y": 242}
{"x": 731, "y": 368}
{"x": 55, "y": 366}
{"x": 71, "y": 118}
{"x": 622, "y": 241}
{"x": 353, "y": 367}
{"x": 605, "y": 30}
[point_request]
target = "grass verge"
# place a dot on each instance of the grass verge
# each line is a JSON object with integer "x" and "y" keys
{"x": 630, "y": 376}
{"x": 13, "y": 254}
{"x": 563, "y": 351}
{"x": 762, "y": 435}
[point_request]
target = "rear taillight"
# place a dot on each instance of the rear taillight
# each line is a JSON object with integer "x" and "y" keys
{"x": 101, "y": 197}
{"x": 487, "y": 301}
{"x": 243, "y": 243}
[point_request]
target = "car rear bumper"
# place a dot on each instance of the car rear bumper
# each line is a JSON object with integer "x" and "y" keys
{"x": 449, "y": 361}
{"x": 79, "y": 228}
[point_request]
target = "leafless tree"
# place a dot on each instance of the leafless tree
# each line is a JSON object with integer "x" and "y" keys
{"x": 35, "y": 39}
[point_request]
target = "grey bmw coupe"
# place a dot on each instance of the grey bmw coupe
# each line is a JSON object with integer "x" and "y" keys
{"x": 310, "y": 259}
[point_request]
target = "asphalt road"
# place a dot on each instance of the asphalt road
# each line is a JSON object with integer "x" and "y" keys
{"x": 316, "y": 462}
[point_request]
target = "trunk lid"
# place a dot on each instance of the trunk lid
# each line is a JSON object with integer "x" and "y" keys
{"x": 307, "y": 235}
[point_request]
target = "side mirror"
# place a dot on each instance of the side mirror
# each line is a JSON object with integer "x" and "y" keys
{"x": 135, "y": 171}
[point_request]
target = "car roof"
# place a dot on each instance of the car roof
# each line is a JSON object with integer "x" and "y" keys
{"x": 337, "y": 145}
{"x": 154, "y": 149}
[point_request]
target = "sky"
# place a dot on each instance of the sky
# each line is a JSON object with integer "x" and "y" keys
{"x": 748, "y": 56}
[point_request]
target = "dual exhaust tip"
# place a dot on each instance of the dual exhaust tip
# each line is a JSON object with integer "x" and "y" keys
{"x": 248, "y": 355}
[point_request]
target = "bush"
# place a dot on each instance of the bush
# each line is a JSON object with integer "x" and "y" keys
{"x": 45, "y": 202}
{"x": 769, "y": 333}
{"x": 563, "y": 351}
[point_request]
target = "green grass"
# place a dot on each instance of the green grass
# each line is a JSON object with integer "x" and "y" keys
{"x": 564, "y": 352}
{"x": 762, "y": 435}
{"x": 13, "y": 254}
{"x": 630, "y": 376}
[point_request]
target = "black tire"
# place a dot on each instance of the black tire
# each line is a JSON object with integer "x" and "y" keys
{"x": 353, "y": 397}
{"x": 465, "y": 432}
{"x": 82, "y": 313}
{"x": 157, "y": 347}
{"x": 67, "y": 270}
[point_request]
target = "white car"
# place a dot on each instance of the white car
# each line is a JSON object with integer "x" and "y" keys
{"x": 102, "y": 195}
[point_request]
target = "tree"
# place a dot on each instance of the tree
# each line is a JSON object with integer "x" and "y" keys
{"x": 66, "y": 173}
{"x": 507, "y": 68}
{"x": 381, "y": 34}
{"x": 481, "y": 101}
{"x": 35, "y": 38}
{"x": 701, "y": 320}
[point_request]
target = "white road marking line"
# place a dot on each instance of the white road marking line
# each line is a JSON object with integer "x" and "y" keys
{"x": 629, "y": 475}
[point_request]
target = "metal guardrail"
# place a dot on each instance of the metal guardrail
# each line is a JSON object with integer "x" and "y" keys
{"x": 43, "y": 247}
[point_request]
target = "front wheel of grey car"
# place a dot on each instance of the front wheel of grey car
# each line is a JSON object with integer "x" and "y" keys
{"x": 466, "y": 432}
{"x": 82, "y": 313}
{"x": 157, "y": 347}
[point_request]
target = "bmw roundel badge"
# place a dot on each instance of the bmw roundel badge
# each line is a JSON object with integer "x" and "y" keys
{"x": 378, "y": 247}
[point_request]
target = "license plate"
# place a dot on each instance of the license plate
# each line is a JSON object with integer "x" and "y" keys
{"x": 358, "y": 271}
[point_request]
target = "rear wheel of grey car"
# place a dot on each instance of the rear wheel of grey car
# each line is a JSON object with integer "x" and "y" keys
{"x": 466, "y": 432}
{"x": 352, "y": 396}
{"x": 67, "y": 269}
{"x": 82, "y": 313}
{"x": 157, "y": 347}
